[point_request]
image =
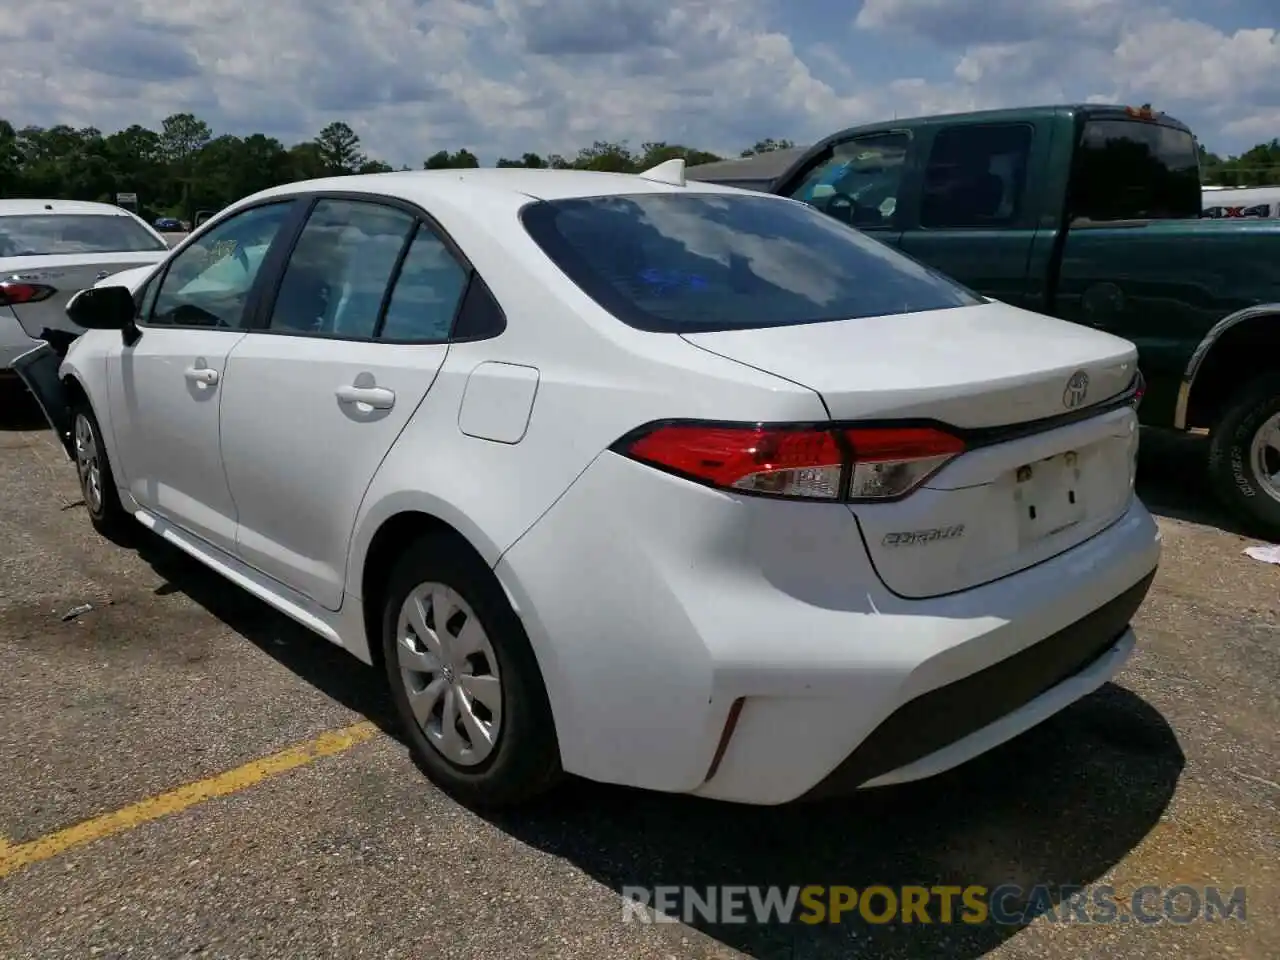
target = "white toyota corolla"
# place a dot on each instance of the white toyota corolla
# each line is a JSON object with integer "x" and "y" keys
{"x": 667, "y": 485}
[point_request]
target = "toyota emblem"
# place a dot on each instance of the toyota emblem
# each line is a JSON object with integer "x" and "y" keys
{"x": 1077, "y": 389}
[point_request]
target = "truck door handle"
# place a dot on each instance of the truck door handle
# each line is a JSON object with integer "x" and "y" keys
{"x": 201, "y": 375}
{"x": 380, "y": 398}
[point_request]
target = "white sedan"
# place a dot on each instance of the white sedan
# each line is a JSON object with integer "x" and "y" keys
{"x": 50, "y": 249}
{"x": 674, "y": 486}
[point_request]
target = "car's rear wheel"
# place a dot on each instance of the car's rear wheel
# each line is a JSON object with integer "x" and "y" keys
{"x": 464, "y": 679}
{"x": 1244, "y": 456}
{"x": 97, "y": 482}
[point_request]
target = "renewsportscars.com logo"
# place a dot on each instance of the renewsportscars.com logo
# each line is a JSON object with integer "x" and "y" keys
{"x": 974, "y": 904}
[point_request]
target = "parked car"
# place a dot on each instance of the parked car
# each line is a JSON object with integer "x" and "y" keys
{"x": 49, "y": 249}
{"x": 169, "y": 224}
{"x": 668, "y": 485}
{"x": 1092, "y": 214}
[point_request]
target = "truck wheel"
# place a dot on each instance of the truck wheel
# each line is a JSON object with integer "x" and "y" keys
{"x": 97, "y": 482}
{"x": 1244, "y": 456}
{"x": 464, "y": 678}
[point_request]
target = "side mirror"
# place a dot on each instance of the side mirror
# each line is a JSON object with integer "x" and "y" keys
{"x": 102, "y": 308}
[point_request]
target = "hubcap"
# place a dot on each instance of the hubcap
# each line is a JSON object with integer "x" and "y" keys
{"x": 87, "y": 463}
{"x": 450, "y": 673}
{"x": 1264, "y": 456}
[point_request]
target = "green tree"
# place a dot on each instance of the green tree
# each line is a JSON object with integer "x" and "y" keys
{"x": 767, "y": 145}
{"x": 444, "y": 160}
{"x": 339, "y": 150}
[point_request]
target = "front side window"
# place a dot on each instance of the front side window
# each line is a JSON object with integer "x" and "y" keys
{"x": 339, "y": 269}
{"x": 976, "y": 176}
{"x": 858, "y": 184}
{"x": 689, "y": 262}
{"x": 208, "y": 283}
{"x": 49, "y": 234}
{"x": 1135, "y": 170}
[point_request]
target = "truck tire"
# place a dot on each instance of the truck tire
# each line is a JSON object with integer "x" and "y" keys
{"x": 1244, "y": 468}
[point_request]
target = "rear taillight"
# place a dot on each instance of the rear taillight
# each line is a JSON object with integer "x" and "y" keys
{"x": 14, "y": 292}
{"x": 808, "y": 462}
{"x": 1139, "y": 389}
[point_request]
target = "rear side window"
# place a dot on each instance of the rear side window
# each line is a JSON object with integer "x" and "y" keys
{"x": 339, "y": 269}
{"x": 689, "y": 262}
{"x": 427, "y": 292}
{"x": 975, "y": 176}
{"x": 32, "y": 235}
{"x": 1134, "y": 170}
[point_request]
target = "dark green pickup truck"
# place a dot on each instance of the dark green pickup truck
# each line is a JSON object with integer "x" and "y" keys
{"x": 1089, "y": 213}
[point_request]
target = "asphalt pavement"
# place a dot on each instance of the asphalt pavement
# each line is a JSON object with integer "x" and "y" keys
{"x": 183, "y": 772}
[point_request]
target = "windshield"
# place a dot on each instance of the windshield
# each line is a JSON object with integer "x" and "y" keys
{"x": 689, "y": 262}
{"x": 69, "y": 233}
{"x": 1131, "y": 170}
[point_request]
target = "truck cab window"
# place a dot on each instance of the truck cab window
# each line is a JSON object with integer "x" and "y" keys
{"x": 858, "y": 184}
{"x": 1135, "y": 170}
{"x": 976, "y": 175}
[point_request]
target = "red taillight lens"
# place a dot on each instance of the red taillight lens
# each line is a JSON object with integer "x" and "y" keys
{"x": 786, "y": 462}
{"x": 13, "y": 292}
{"x": 865, "y": 463}
{"x": 1139, "y": 389}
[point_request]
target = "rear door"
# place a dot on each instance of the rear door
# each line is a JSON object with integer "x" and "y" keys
{"x": 973, "y": 219}
{"x": 859, "y": 182}
{"x": 339, "y": 359}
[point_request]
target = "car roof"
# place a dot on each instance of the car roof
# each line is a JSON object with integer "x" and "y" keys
{"x": 519, "y": 185}
{"x": 14, "y": 208}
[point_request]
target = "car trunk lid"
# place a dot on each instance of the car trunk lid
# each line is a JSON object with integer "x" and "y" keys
{"x": 64, "y": 275}
{"x": 1051, "y": 441}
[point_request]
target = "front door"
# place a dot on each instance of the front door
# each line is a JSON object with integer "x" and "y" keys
{"x": 321, "y": 387}
{"x": 859, "y": 183}
{"x": 165, "y": 388}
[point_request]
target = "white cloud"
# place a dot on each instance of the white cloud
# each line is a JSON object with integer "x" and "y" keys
{"x": 504, "y": 76}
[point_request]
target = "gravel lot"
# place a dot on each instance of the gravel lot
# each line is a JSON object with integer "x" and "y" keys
{"x": 1169, "y": 776}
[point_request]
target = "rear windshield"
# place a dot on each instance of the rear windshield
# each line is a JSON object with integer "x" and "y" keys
{"x": 1131, "y": 170}
{"x": 54, "y": 233}
{"x": 689, "y": 262}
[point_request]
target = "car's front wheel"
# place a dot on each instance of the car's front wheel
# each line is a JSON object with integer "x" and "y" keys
{"x": 97, "y": 482}
{"x": 464, "y": 679}
{"x": 1244, "y": 456}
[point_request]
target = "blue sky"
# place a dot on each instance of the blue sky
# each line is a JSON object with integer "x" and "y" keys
{"x": 504, "y": 76}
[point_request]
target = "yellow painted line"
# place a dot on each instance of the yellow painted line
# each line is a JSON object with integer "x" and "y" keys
{"x": 17, "y": 856}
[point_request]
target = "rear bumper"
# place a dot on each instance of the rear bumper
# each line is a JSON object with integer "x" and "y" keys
{"x": 38, "y": 368}
{"x": 743, "y": 649}
{"x": 944, "y": 727}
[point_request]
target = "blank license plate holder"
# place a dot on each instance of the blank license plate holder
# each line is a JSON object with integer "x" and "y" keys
{"x": 1049, "y": 497}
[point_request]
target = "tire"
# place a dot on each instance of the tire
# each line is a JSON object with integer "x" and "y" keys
{"x": 521, "y": 759}
{"x": 1234, "y": 468}
{"x": 97, "y": 481}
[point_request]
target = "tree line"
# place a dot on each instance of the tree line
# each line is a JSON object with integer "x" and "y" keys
{"x": 1257, "y": 167}
{"x": 182, "y": 167}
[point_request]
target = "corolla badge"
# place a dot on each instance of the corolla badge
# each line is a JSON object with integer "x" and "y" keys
{"x": 1077, "y": 389}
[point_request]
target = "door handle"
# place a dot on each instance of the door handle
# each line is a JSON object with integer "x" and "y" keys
{"x": 380, "y": 398}
{"x": 201, "y": 375}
